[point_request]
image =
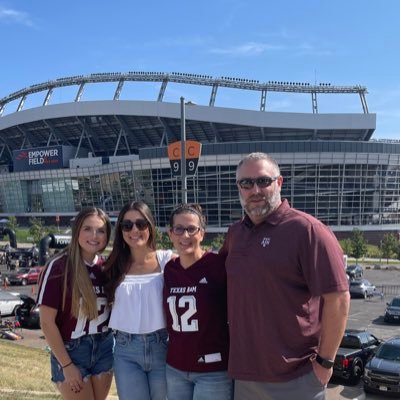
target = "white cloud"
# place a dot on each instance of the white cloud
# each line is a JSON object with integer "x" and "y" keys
{"x": 310, "y": 50}
{"x": 246, "y": 49}
{"x": 14, "y": 16}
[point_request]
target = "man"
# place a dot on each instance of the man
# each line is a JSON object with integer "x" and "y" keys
{"x": 288, "y": 297}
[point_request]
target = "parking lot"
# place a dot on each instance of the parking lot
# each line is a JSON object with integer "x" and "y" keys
{"x": 368, "y": 315}
{"x": 364, "y": 314}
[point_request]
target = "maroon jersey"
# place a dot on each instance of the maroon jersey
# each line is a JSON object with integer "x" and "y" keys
{"x": 196, "y": 309}
{"x": 51, "y": 293}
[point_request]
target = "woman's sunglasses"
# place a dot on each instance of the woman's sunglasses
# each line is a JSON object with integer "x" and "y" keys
{"x": 127, "y": 224}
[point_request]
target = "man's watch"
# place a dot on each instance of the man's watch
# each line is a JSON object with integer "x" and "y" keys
{"x": 323, "y": 362}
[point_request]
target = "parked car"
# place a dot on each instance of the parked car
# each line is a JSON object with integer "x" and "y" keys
{"x": 361, "y": 288}
{"x": 25, "y": 276}
{"x": 356, "y": 348}
{"x": 382, "y": 372}
{"x": 9, "y": 303}
{"x": 392, "y": 312}
{"x": 28, "y": 313}
{"x": 354, "y": 271}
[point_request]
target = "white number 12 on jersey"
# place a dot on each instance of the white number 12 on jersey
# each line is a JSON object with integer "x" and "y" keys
{"x": 188, "y": 302}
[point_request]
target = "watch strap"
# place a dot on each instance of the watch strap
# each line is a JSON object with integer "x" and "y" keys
{"x": 323, "y": 362}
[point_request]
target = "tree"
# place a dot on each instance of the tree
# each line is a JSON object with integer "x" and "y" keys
{"x": 217, "y": 242}
{"x": 346, "y": 246}
{"x": 12, "y": 223}
{"x": 162, "y": 240}
{"x": 358, "y": 244}
{"x": 397, "y": 250}
{"x": 388, "y": 246}
{"x": 36, "y": 230}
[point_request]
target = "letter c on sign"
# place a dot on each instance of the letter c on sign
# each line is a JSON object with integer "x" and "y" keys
{"x": 191, "y": 151}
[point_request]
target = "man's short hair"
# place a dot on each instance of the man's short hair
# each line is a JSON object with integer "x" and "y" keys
{"x": 257, "y": 156}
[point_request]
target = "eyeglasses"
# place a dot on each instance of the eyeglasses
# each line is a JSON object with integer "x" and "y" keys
{"x": 179, "y": 230}
{"x": 127, "y": 224}
{"x": 262, "y": 182}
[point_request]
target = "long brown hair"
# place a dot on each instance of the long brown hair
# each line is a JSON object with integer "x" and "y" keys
{"x": 76, "y": 275}
{"x": 118, "y": 262}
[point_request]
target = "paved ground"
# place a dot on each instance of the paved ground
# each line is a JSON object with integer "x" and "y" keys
{"x": 32, "y": 338}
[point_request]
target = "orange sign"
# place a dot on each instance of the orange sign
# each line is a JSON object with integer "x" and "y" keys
{"x": 192, "y": 155}
{"x": 192, "y": 150}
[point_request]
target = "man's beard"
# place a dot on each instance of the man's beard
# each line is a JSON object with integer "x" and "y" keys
{"x": 265, "y": 209}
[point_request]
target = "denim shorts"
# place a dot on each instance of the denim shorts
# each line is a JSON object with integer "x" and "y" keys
{"x": 92, "y": 354}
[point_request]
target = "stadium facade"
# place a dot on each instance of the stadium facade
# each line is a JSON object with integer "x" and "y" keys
{"x": 57, "y": 158}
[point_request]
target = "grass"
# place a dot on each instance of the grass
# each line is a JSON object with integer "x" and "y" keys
{"x": 25, "y": 373}
{"x": 23, "y": 235}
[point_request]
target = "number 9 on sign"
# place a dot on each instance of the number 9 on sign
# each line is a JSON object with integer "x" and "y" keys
{"x": 191, "y": 166}
{"x": 175, "y": 167}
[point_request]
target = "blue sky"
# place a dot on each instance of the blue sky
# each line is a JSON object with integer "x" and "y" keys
{"x": 343, "y": 42}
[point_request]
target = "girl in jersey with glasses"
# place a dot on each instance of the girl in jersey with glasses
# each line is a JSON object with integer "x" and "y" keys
{"x": 74, "y": 313}
{"x": 135, "y": 269}
{"x": 196, "y": 308}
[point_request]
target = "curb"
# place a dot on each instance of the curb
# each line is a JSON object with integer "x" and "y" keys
{"x": 387, "y": 267}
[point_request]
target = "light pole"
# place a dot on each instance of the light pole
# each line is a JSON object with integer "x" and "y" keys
{"x": 183, "y": 149}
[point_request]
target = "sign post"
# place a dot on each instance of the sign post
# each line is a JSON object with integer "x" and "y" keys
{"x": 190, "y": 157}
{"x": 183, "y": 158}
{"x": 184, "y": 155}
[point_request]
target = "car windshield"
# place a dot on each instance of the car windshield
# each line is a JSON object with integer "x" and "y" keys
{"x": 23, "y": 271}
{"x": 395, "y": 303}
{"x": 389, "y": 352}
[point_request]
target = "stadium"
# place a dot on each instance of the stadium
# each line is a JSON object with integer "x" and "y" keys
{"x": 56, "y": 158}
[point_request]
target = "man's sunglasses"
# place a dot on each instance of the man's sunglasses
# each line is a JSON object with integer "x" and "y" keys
{"x": 262, "y": 182}
{"x": 127, "y": 224}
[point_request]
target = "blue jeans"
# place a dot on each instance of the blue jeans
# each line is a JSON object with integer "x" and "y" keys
{"x": 183, "y": 385}
{"x": 92, "y": 354}
{"x": 139, "y": 365}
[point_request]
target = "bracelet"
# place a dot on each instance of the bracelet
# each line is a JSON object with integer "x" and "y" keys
{"x": 66, "y": 365}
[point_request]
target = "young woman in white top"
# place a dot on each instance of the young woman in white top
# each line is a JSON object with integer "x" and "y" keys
{"x": 135, "y": 270}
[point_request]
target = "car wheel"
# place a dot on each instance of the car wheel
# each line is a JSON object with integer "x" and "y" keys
{"x": 15, "y": 310}
{"x": 365, "y": 295}
{"x": 385, "y": 319}
{"x": 357, "y": 372}
{"x": 24, "y": 282}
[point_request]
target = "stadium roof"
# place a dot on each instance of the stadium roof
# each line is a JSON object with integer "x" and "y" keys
{"x": 119, "y": 127}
